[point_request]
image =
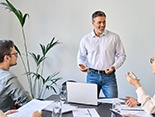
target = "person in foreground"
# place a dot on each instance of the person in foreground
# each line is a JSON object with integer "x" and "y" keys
{"x": 147, "y": 102}
{"x": 11, "y": 91}
{"x": 34, "y": 114}
{"x": 100, "y": 53}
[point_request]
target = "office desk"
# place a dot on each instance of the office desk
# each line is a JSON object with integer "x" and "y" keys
{"x": 102, "y": 109}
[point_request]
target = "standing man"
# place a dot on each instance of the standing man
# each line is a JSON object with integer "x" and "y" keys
{"x": 11, "y": 91}
{"x": 100, "y": 53}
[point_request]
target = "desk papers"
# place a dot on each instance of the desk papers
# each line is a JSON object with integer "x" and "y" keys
{"x": 110, "y": 100}
{"x": 38, "y": 105}
{"x": 127, "y": 108}
{"x": 85, "y": 112}
{"x": 30, "y": 107}
{"x": 136, "y": 111}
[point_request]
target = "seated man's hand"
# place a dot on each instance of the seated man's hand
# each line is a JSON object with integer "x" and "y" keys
{"x": 36, "y": 114}
{"x": 10, "y": 112}
{"x": 131, "y": 102}
{"x": 18, "y": 106}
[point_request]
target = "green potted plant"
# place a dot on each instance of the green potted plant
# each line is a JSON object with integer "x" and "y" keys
{"x": 38, "y": 84}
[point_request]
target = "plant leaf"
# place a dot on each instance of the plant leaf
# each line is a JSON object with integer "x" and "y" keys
{"x": 43, "y": 49}
{"x": 37, "y": 58}
{"x": 17, "y": 13}
{"x": 36, "y": 76}
{"x": 49, "y": 78}
{"x": 51, "y": 44}
{"x": 16, "y": 48}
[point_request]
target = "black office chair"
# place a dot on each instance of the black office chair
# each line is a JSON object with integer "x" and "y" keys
{"x": 63, "y": 90}
{"x": 64, "y": 84}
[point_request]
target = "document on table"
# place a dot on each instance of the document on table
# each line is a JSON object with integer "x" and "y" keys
{"x": 135, "y": 114}
{"x": 136, "y": 111}
{"x": 30, "y": 107}
{"x": 85, "y": 112}
{"x": 135, "y": 108}
{"x": 110, "y": 100}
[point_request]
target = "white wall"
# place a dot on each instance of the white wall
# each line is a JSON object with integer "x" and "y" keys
{"x": 70, "y": 20}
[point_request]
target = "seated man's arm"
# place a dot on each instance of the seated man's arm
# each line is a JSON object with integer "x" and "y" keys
{"x": 17, "y": 92}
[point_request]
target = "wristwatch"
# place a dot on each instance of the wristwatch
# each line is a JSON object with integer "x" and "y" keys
{"x": 139, "y": 104}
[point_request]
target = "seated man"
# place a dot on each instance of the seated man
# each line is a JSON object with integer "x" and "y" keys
{"x": 147, "y": 102}
{"x": 11, "y": 91}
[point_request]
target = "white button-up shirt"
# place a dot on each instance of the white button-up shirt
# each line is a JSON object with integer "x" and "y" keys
{"x": 101, "y": 52}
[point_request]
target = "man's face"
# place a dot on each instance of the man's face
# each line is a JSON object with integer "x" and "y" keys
{"x": 13, "y": 57}
{"x": 99, "y": 24}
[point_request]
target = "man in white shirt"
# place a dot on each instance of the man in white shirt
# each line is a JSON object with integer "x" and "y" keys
{"x": 100, "y": 53}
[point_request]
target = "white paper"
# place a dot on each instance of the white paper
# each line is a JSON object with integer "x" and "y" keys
{"x": 30, "y": 107}
{"x": 135, "y": 108}
{"x": 136, "y": 111}
{"x": 110, "y": 100}
{"x": 85, "y": 112}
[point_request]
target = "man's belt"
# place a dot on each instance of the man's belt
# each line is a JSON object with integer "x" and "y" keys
{"x": 98, "y": 71}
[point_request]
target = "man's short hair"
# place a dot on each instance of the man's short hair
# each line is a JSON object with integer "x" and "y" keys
{"x": 98, "y": 13}
{"x": 5, "y": 48}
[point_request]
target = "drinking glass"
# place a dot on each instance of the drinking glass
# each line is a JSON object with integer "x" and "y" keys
{"x": 62, "y": 93}
{"x": 57, "y": 108}
{"x": 116, "y": 106}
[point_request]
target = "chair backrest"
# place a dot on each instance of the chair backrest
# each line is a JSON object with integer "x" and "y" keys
{"x": 63, "y": 88}
{"x": 64, "y": 84}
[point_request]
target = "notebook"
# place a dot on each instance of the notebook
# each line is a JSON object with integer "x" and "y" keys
{"x": 82, "y": 93}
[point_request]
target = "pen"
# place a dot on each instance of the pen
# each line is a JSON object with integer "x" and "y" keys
{"x": 89, "y": 112}
{"x": 123, "y": 99}
{"x": 138, "y": 79}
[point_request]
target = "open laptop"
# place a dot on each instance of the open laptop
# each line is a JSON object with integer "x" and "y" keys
{"x": 82, "y": 93}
